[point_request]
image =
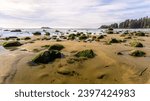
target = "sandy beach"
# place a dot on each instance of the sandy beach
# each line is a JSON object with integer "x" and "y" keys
{"x": 107, "y": 67}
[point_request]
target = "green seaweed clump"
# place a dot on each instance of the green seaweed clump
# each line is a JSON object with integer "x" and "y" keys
{"x": 86, "y": 53}
{"x": 136, "y": 44}
{"x": 47, "y": 56}
{"x": 114, "y": 40}
{"x": 56, "y": 47}
{"x": 71, "y": 36}
{"x": 11, "y": 44}
{"x": 83, "y": 37}
{"x": 139, "y": 33}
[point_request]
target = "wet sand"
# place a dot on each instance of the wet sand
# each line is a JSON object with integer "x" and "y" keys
{"x": 106, "y": 68}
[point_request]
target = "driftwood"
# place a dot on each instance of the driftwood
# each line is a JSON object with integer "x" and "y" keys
{"x": 143, "y": 71}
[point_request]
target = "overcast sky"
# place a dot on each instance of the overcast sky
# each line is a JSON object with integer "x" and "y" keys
{"x": 69, "y": 13}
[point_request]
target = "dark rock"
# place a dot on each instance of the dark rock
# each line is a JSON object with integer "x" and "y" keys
{"x": 71, "y": 36}
{"x": 139, "y": 33}
{"x": 6, "y": 30}
{"x": 100, "y": 37}
{"x": 62, "y": 37}
{"x": 57, "y": 31}
{"x": 16, "y": 30}
{"x": 113, "y": 40}
{"x": 56, "y": 47}
{"x": 110, "y": 31}
{"x": 58, "y": 40}
{"x": 94, "y": 38}
{"x": 54, "y": 37}
{"x": 47, "y": 56}
{"x": 18, "y": 39}
{"x": 79, "y": 34}
{"x": 126, "y": 32}
{"x": 86, "y": 53}
{"x": 11, "y": 44}
{"x": 83, "y": 37}
{"x": 137, "y": 53}
{"x": 136, "y": 44}
{"x": 119, "y": 53}
{"x": 11, "y": 37}
{"x": 37, "y": 33}
{"x": 47, "y": 33}
{"x": 26, "y": 38}
{"x": 101, "y": 76}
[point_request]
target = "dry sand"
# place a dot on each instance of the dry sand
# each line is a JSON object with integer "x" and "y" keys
{"x": 106, "y": 68}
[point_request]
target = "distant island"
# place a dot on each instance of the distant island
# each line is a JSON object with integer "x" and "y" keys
{"x": 45, "y": 28}
{"x": 131, "y": 23}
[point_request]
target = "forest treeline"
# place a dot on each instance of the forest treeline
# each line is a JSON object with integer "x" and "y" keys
{"x": 131, "y": 23}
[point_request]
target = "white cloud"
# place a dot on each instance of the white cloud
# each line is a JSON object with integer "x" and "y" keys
{"x": 68, "y": 13}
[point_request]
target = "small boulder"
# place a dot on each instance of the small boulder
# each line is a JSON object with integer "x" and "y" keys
{"x": 86, "y": 53}
{"x": 37, "y": 33}
{"x": 114, "y": 40}
{"x": 136, "y": 44}
{"x": 58, "y": 40}
{"x": 26, "y": 38}
{"x": 137, "y": 53}
{"x": 139, "y": 33}
{"x": 71, "y": 36}
{"x": 11, "y": 44}
{"x": 57, "y": 31}
{"x": 83, "y": 37}
{"x": 78, "y": 34}
{"x": 110, "y": 31}
{"x": 11, "y": 37}
{"x": 119, "y": 53}
{"x": 56, "y": 47}
{"x": 47, "y": 56}
{"x": 100, "y": 37}
{"x": 93, "y": 38}
{"x": 54, "y": 37}
{"x": 18, "y": 39}
{"x": 16, "y": 30}
{"x": 47, "y": 33}
{"x": 126, "y": 32}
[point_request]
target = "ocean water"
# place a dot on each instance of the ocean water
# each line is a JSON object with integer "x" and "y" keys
{"x": 28, "y": 32}
{"x": 2, "y": 49}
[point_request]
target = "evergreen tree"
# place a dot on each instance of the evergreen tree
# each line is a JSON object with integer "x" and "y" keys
{"x": 131, "y": 23}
